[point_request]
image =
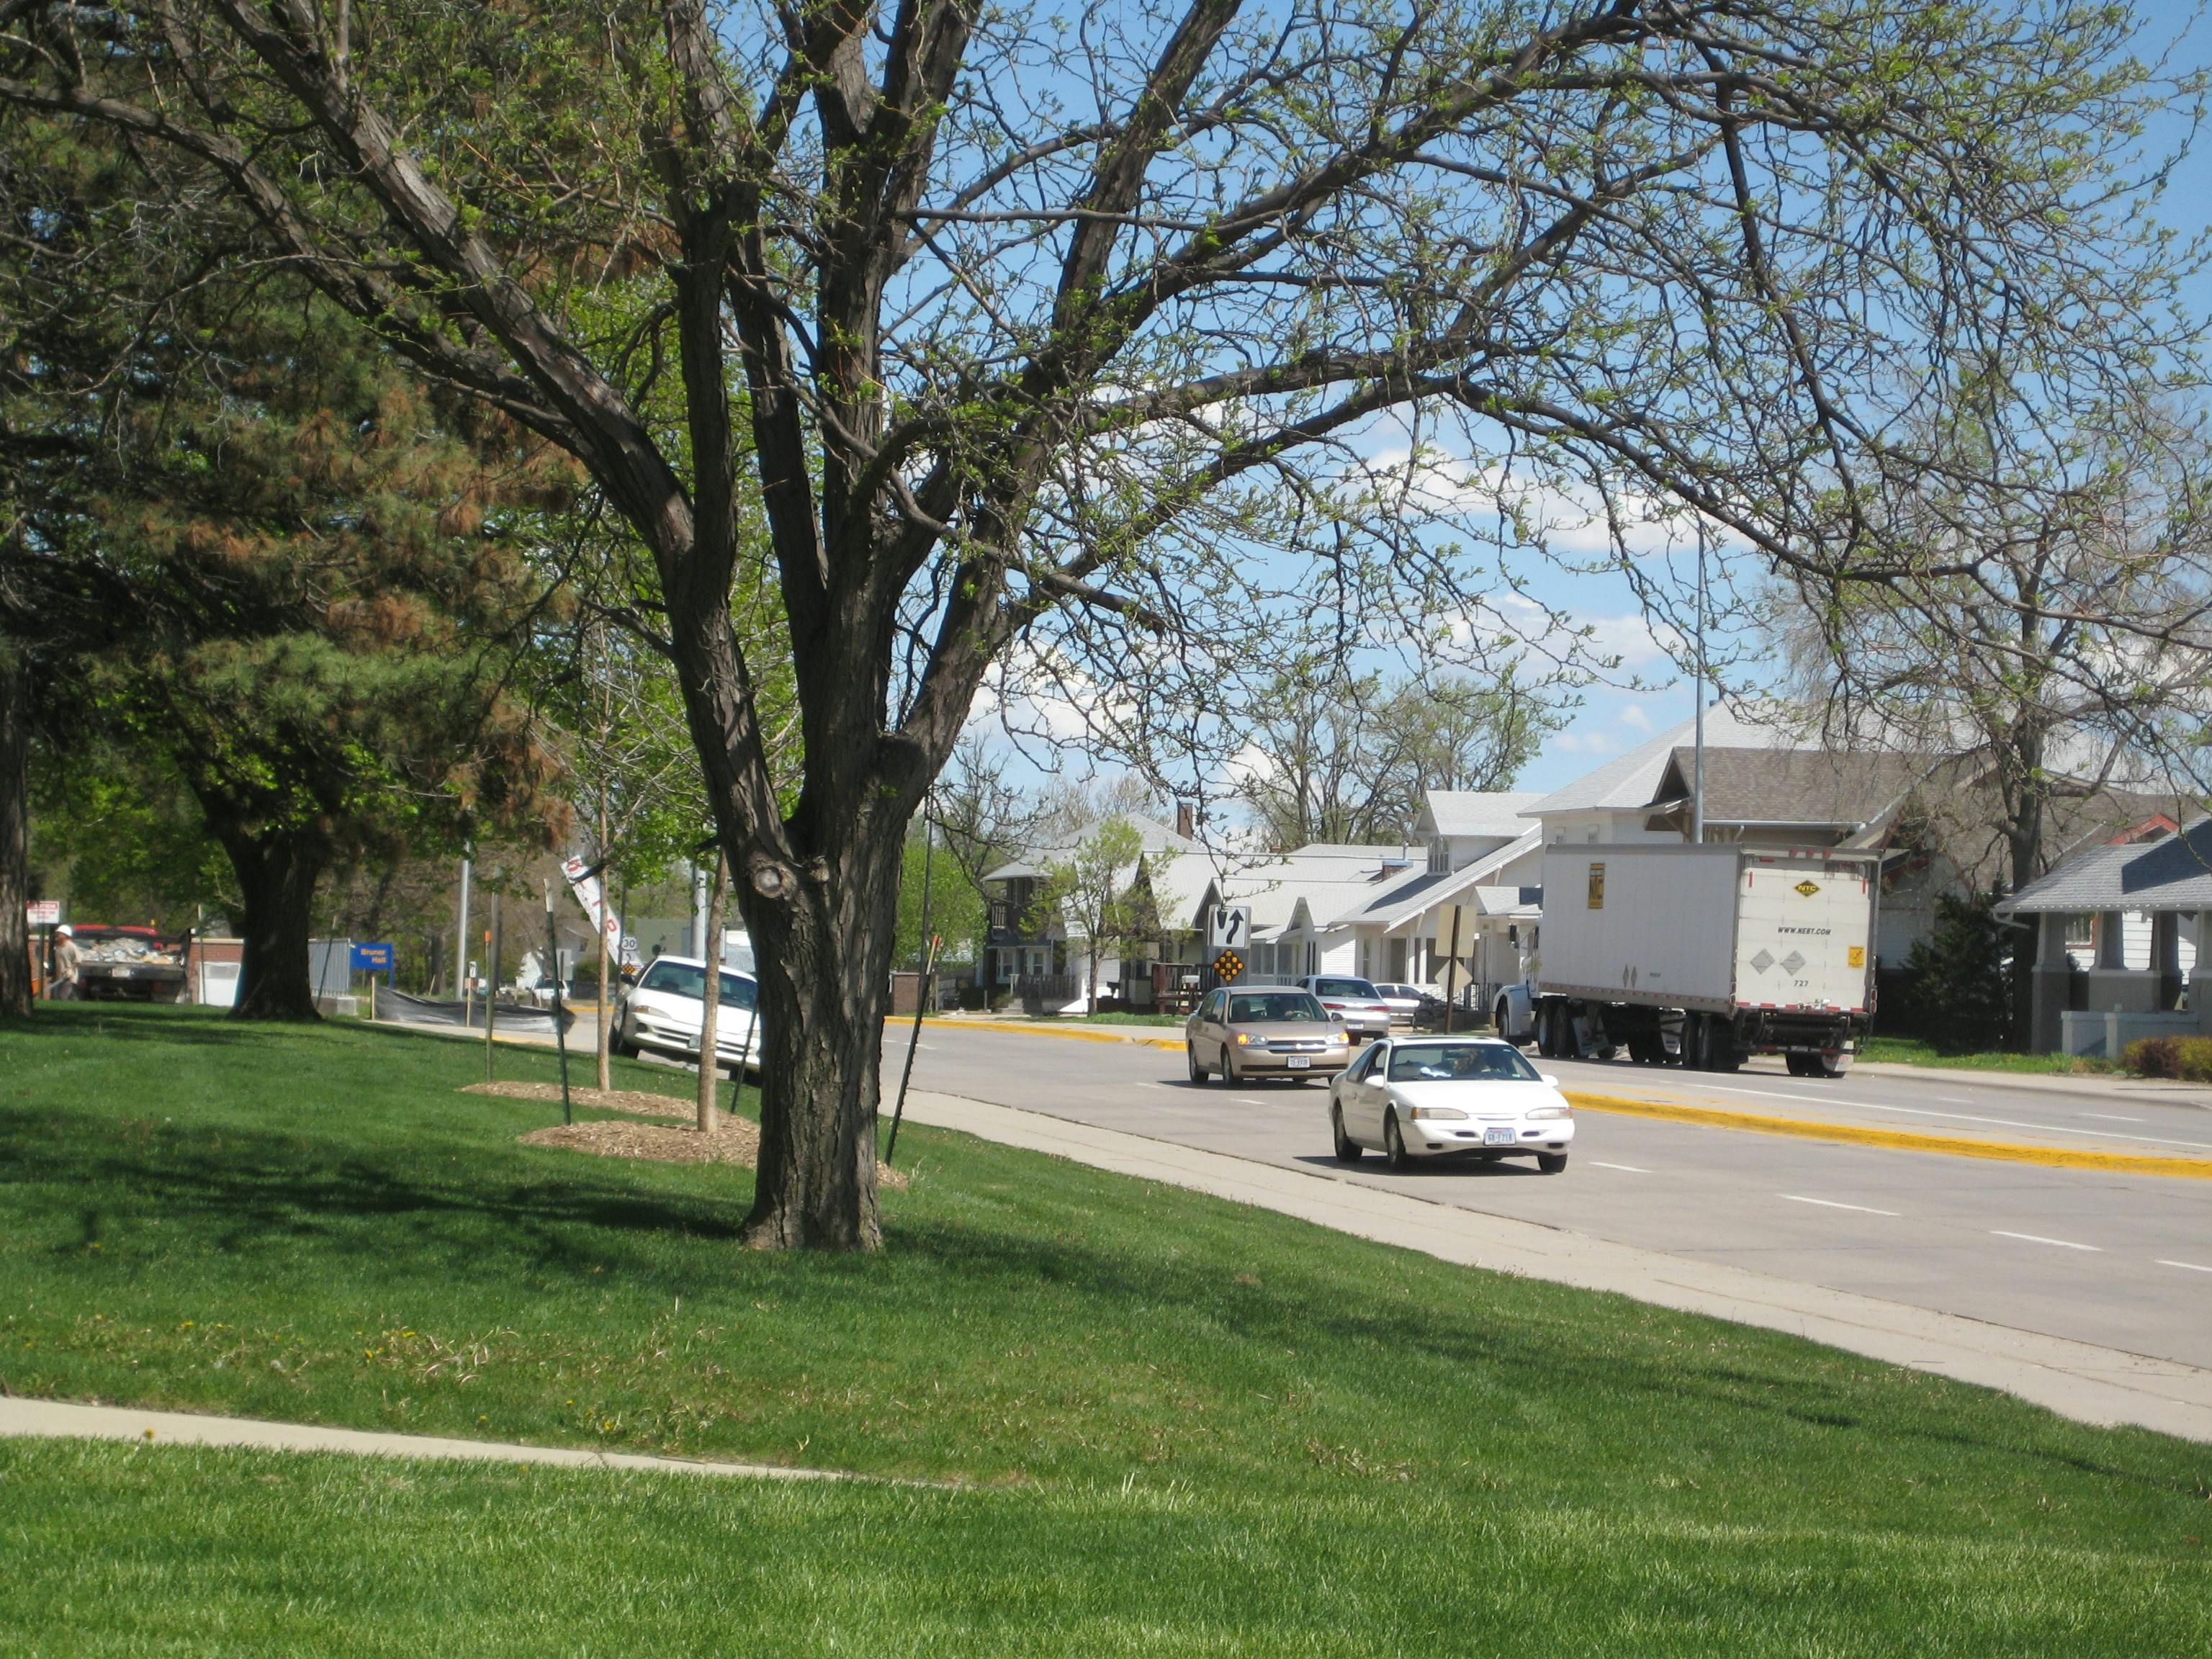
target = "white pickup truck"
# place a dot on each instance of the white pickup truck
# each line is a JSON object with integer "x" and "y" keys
{"x": 1701, "y": 956}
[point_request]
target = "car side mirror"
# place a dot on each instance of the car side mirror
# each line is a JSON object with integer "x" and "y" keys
{"x": 1546, "y": 1076}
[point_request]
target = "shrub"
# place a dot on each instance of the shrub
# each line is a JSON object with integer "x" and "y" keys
{"x": 2188, "y": 1059}
{"x": 1961, "y": 993}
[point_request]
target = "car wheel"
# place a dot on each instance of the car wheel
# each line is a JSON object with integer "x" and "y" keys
{"x": 1230, "y": 1074}
{"x": 1825, "y": 1066}
{"x": 1797, "y": 1065}
{"x": 1551, "y": 1163}
{"x": 1348, "y": 1150}
{"x": 1197, "y": 1071}
{"x": 1393, "y": 1145}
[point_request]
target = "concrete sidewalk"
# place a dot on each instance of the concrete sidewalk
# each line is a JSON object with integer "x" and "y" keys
{"x": 2075, "y": 1379}
{"x": 44, "y": 1420}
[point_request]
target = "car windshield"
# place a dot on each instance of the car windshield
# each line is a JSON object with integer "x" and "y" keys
{"x": 1345, "y": 987}
{"x": 1275, "y": 1009}
{"x": 685, "y": 979}
{"x": 1459, "y": 1062}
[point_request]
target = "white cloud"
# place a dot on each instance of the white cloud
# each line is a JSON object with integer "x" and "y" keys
{"x": 1585, "y": 743}
{"x": 1633, "y": 717}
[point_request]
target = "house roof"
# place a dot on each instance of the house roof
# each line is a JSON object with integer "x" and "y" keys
{"x": 1152, "y": 836}
{"x": 1478, "y": 811}
{"x": 1325, "y": 877}
{"x": 1808, "y": 787}
{"x": 1632, "y": 778}
{"x": 1409, "y": 899}
{"x": 2174, "y": 874}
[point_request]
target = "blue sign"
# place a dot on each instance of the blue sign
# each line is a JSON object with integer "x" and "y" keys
{"x": 372, "y": 959}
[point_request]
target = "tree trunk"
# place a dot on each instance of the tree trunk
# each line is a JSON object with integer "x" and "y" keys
{"x": 276, "y": 875}
{"x": 823, "y": 943}
{"x": 15, "y": 835}
{"x": 2024, "y": 815}
{"x": 710, "y": 1005}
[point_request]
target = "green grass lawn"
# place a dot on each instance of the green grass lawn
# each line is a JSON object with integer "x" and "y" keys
{"x": 1910, "y": 1051}
{"x": 1174, "y": 1425}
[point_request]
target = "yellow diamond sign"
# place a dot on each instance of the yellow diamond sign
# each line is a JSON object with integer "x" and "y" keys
{"x": 1807, "y": 888}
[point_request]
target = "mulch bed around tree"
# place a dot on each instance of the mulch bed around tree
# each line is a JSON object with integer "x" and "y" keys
{"x": 736, "y": 1141}
{"x": 636, "y": 1101}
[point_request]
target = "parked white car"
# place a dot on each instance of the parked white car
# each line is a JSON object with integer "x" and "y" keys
{"x": 1353, "y": 1001}
{"x": 664, "y": 1011}
{"x": 1411, "y": 1097}
{"x": 1404, "y": 1001}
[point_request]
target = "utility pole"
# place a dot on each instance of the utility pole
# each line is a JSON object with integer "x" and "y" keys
{"x": 1451, "y": 975}
{"x": 1698, "y": 783}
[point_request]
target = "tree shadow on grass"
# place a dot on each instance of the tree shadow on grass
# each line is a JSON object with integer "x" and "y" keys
{"x": 124, "y": 1022}
{"x": 258, "y": 1193}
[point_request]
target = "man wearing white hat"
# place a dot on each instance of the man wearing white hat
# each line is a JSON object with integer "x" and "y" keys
{"x": 64, "y": 987}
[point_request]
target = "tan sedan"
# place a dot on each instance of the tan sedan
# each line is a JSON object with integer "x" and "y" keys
{"x": 1267, "y": 1030}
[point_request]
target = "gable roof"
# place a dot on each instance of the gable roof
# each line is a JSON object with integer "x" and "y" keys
{"x": 1632, "y": 779}
{"x": 1409, "y": 899}
{"x": 1813, "y": 787}
{"x": 1478, "y": 811}
{"x": 1153, "y": 837}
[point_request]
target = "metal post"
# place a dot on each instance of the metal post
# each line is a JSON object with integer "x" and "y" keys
{"x": 559, "y": 1026}
{"x": 1698, "y": 783}
{"x": 913, "y": 1042}
{"x": 920, "y": 989}
{"x": 491, "y": 987}
{"x": 461, "y": 943}
{"x": 1451, "y": 975}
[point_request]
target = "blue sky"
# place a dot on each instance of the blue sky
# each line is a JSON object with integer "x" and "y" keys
{"x": 1612, "y": 717}
{"x": 1613, "y": 722}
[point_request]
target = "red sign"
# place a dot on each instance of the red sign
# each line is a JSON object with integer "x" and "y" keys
{"x": 43, "y": 912}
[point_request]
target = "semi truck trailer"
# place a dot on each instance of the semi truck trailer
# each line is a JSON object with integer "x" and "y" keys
{"x": 1702, "y": 954}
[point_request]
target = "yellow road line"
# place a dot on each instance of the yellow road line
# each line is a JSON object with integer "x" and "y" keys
{"x": 1858, "y": 1135}
{"x": 1028, "y": 1030}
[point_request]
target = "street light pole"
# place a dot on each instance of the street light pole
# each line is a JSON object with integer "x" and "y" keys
{"x": 1698, "y": 783}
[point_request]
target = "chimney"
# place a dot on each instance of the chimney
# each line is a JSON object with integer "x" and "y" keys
{"x": 1186, "y": 821}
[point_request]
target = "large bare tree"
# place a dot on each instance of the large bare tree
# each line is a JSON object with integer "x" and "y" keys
{"x": 1068, "y": 338}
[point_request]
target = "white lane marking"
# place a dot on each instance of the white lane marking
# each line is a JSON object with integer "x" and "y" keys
{"x": 1831, "y": 1204}
{"x": 1956, "y": 1100}
{"x": 2114, "y": 1117}
{"x": 1963, "y": 1117}
{"x": 1629, "y": 1169}
{"x": 2037, "y": 1239}
{"x": 2192, "y": 1266}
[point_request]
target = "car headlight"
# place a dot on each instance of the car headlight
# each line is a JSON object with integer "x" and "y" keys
{"x": 1438, "y": 1115}
{"x": 1552, "y": 1111}
{"x": 1245, "y": 1040}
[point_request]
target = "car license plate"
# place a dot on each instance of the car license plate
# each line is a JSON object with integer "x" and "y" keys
{"x": 1299, "y": 1063}
{"x": 1498, "y": 1137}
{"x": 119, "y": 973}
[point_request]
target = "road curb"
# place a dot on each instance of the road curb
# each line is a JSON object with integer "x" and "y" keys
{"x": 1906, "y": 1140}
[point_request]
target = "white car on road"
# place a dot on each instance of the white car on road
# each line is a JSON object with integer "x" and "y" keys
{"x": 1411, "y": 1097}
{"x": 663, "y": 1012}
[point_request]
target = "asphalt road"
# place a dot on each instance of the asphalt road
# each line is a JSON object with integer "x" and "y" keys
{"x": 2121, "y": 1261}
